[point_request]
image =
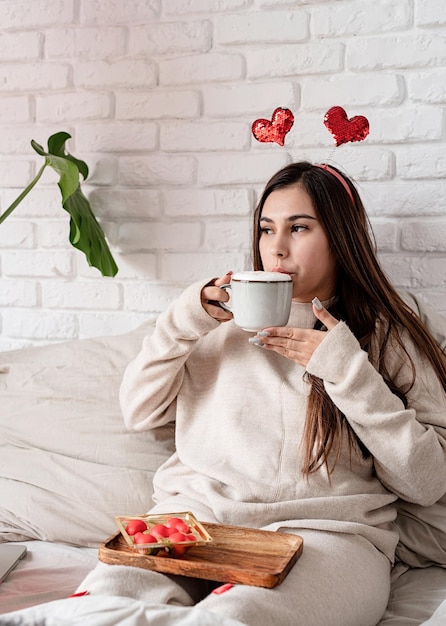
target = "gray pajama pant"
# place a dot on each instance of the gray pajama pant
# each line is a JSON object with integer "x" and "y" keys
{"x": 340, "y": 580}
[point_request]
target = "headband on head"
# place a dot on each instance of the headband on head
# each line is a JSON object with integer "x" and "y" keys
{"x": 342, "y": 128}
{"x": 340, "y": 178}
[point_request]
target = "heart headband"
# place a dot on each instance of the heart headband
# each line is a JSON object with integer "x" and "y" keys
{"x": 337, "y": 175}
{"x": 336, "y": 121}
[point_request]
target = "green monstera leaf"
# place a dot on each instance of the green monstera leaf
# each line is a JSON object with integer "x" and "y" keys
{"x": 86, "y": 233}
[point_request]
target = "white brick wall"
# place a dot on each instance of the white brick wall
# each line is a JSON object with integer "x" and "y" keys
{"x": 159, "y": 97}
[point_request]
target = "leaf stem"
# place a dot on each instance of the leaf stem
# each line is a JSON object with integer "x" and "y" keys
{"x": 24, "y": 193}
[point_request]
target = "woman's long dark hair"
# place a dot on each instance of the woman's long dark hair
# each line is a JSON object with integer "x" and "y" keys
{"x": 364, "y": 296}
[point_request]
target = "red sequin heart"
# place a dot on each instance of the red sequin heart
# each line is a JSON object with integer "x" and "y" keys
{"x": 275, "y": 130}
{"x": 344, "y": 129}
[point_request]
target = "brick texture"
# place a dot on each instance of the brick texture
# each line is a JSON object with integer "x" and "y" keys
{"x": 159, "y": 97}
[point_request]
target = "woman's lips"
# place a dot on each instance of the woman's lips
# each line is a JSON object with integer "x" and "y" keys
{"x": 280, "y": 270}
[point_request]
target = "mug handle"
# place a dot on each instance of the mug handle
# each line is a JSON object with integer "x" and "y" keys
{"x": 223, "y": 305}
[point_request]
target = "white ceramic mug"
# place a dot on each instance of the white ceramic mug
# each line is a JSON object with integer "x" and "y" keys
{"x": 259, "y": 299}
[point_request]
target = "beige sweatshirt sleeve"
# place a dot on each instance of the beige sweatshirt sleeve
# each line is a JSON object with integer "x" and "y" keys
{"x": 408, "y": 444}
{"x": 152, "y": 380}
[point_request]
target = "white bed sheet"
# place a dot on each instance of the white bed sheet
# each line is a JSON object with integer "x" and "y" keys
{"x": 414, "y": 597}
{"x": 49, "y": 571}
{"x": 53, "y": 571}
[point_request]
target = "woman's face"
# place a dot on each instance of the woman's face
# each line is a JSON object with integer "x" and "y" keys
{"x": 293, "y": 241}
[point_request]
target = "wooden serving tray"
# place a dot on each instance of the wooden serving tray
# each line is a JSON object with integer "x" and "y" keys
{"x": 236, "y": 555}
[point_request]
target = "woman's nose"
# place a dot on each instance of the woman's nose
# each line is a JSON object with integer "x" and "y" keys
{"x": 278, "y": 250}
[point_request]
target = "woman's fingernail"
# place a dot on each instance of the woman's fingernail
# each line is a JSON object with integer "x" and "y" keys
{"x": 263, "y": 333}
{"x": 256, "y": 341}
{"x": 317, "y": 304}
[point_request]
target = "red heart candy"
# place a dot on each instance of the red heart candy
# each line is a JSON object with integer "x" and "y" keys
{"x": 275, "y": 130}
{"x": 344, "y": 129}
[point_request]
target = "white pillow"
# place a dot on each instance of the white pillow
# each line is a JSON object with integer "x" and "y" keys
{"x": 67, "y": 462}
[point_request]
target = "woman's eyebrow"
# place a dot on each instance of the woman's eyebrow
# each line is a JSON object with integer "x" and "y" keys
{"x": 291, "y": 218}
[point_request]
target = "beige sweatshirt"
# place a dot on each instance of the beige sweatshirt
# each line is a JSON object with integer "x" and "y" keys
{"x": 240, "y": 412}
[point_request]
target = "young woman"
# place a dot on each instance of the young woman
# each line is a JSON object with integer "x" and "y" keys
{"x": 316, "y": 428}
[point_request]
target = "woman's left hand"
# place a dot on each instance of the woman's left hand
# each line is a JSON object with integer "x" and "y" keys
{"x": 297, "y": 344}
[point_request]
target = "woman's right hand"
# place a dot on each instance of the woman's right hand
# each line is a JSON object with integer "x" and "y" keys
{"x": 211, "y": 294}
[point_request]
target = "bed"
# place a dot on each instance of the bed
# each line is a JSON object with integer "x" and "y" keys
{"x": 68, "y": 466}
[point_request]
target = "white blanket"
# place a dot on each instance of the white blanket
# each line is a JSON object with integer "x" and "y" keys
{"x": 439, "y": 617}
{"x": 118, "y": 611}
{"x": 112, "y": 611}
